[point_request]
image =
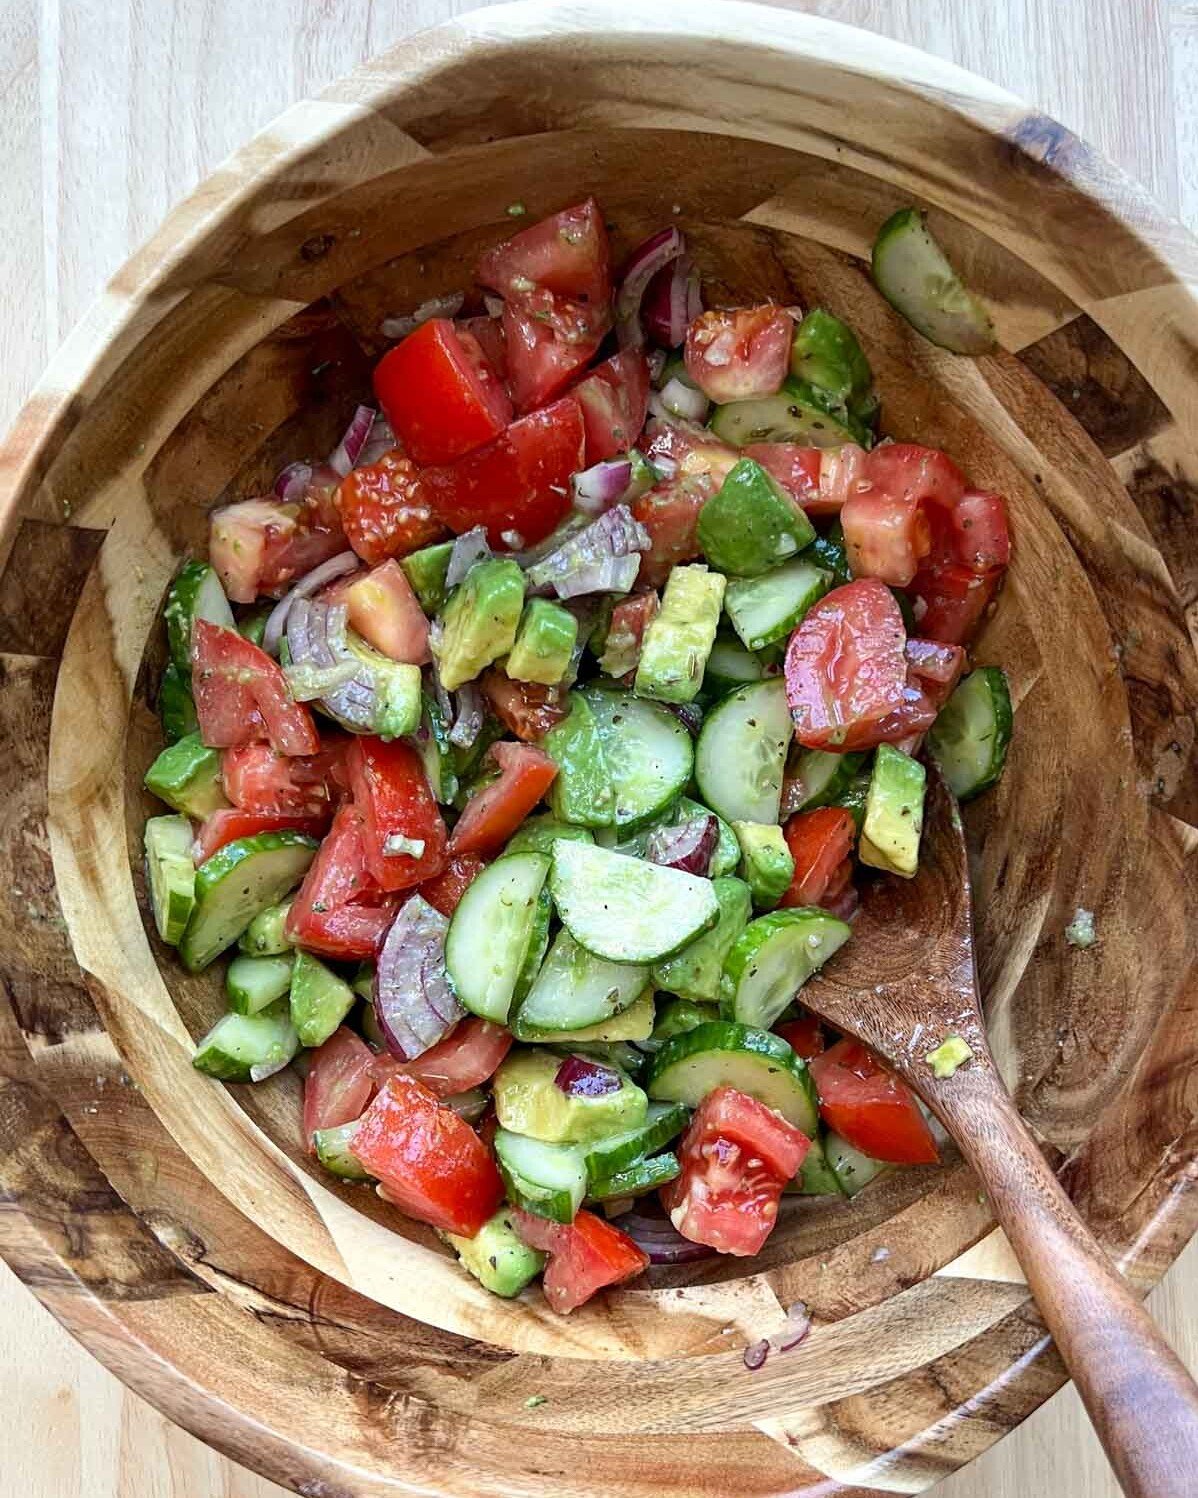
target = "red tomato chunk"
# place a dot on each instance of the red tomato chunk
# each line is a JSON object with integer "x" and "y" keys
{"x": 585, "y": 1256}
{"x": 440, "y": 400}
{"x": 339, "y": 1083}
{"x": 870, "y": 1107}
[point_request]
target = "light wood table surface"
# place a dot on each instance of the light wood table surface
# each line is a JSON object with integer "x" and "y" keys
{"x": 110, "y": 111}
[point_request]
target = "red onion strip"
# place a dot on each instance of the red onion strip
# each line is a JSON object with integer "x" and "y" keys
{"x": 689, "y": 846}
{"x": 338, "y": 566}
{"x": 604, "y": 484}
{"x": 413, "y": 1002}
{"x": 578, "y": 1077}
{"x": 646, "y": 261}
{"x": 468, "y": 549}
{"x": 346, "y": 453}
{"x": 658, "y": 1237}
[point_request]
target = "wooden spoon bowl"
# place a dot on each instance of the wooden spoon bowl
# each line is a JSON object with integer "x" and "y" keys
{"x": 177, "y": 1226}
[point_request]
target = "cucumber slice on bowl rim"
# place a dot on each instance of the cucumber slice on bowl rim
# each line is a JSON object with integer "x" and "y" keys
{"x": 914, "y": 275}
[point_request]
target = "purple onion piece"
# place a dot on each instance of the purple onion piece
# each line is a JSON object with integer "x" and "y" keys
{"x": 292, "y": 482}
{"x": 689, "y": 846}
{"x": 413, "y": 1002}
{"x": 312, "y": 582}
{"x": 756, "y": 1354}
{"x": 658, "y": 358}
{"x": 605, "y": 557}
{"x": 468, "y": 549}
{"x": 380, "y": 441}
{"x": 677, "y": 398}
{"x": 346, "y": 453}
{"x": 646, "y": 260}
{"x": 604, "y": 484}
{"x": 316, "y": 637}
{"x": 468, "y": 719}
{"x": 672, "y": 303}
{"x": 578, "y": 1077}
{"x": 689, "y": 714}
{"x": 798, "y": 1325}
{"x": 659, "y": 1238}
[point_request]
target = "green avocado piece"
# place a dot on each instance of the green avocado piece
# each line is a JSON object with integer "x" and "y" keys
{"x": 826, "y": 353}
{"x": 544, "y": 643}
{"x": 186, "y": 775}
{"x": 766, "y": 863}
{"x": 695, "y": 972}
{"x": 497, "y": 1256}
{"x": 678, "y": 641}
{"x": 320, "y": 1000}
{"x": 253, "y": 626}
{"x": 266, "y": 935}
{"x": 752, "y": 525}
{"x": 426, "y": 570}
{"x": 582, "y": 791}
{"x": 893, "y": 813}
{"x": 528, "y": 1101}
{"x": 680, "y": 1015}
{"x": 480, "y": 620}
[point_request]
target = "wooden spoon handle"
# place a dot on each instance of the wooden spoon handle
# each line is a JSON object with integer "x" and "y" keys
{"x": 1143, "y": 1403}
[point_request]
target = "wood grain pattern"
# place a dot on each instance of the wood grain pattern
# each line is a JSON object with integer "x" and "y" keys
{"x": 987, "y": 1330}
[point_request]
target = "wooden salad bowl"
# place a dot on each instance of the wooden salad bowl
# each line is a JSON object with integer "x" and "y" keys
{"x": 176, "y": 1226}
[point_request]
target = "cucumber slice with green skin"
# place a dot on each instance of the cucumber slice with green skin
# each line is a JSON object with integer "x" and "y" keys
{"x": 637, "y": 1180}
{"x": 240, "y": 880}
{"x": 426, "y": 571}
{"x": 582, "y": 792}
{"x": 800, "y": 413}
{"x": 826, "y": 354}
{"x": 663, "y": 1122}
{"x": 632, "y": 1023}
{"x": 248, "y": 1047}
{"x": 722, "y": 1054}
{"x": 534, "y": 951}
{"x": 765, "y": 609}
{"x": 816, "y": 1176}
{"x": 819, "y": 778}
{"x": 170, "y": 874}
{"x": 852, "y": 1169}
{"x": 649, "y": 754}
{"x": 547, "y": 1179}
{"x": 266, "y": 935}
{"x": 730, "y": 666}
{"x": 626, "y": 910}
{"x": 255, "y": 983}
{"x": 751, "y": 524}
{"x": 176, "y": 706}
{"x": 575, "y": 989}
{"x": 253, "y": 626}
{"x": 538, "y": 834}
{"x": 186, "y": 775}
{"x": 773, "y": 957}
{"x": 529, "y": 1101}
{"x": 914, "y": 275}
{"x": 740, "y": 758}
{"x": 893, "y": 821}
{"x": 334, "y": 1153}
{"x": 491, "y": 931}
{"x": 697, "y": 971}
{"x": 196, "y": 593}
{"x": 497, "y": 1256}
{"x": 431, "y": 742}
{"x": 830, "y": 553}
{"x": 320, "y": 1000}
{"x": 971, "y": 735}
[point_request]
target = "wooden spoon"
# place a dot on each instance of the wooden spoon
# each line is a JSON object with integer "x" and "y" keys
{"x": 906, "y": 981}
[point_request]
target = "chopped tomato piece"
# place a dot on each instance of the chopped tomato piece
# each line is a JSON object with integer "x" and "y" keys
{"x": 427, "y": 1160}
{"x": 385, "y": 511}
{"x": 440, "y": 402}
{"x": 540, "y": 364}
{"x": 466, "y": 1058}
{"x": 741, "y": 354}
{"x": 630, "y": 618}
{"x": 870, "y": 1107}
{"x": 804, "y": 1036}
{"x": 845, "y": 667}
{"x": 670, "y": 513}
{"x": 385, "y": 612}
{"x": 614, "y": 398}
{"x": 339, "y": 911}
{"x": 819, "y": 842}
{"x": 262, "y": 546}
{"x": 241, "y": 694}
{"x": 585, "y": 1256}
{"x": 517, "y": 486}
{"x": 392, "y": 794}
{"x": 758, "y": 1129}
{"x": 951, "y": 601}
{"x": 487, "y": 333}
{"x": 981, "y": 539}
{"x": 796, "y": 468}
{"x": 493, "y": 814}
{"x": 885, "y": 535}
{"x": 558, "y": 271}
{"x": 916, "y": 474}
{"x": 339, "y": 1083}
{"x": 689, "y": 451}
{"x": 221, "y": 827}
{"x": 445, "y": 890}
{"x": 257, "y": 778}
{"x": 525, "y": 708}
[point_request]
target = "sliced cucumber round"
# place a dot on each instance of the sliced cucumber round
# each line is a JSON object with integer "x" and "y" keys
{"x": 852, "y": 1169}
{"x": 730, "y": 666}
{"x": 196, "y": 593}
{"x": 334, "y": 1153}
{"x": 491, "y": 931}
{"x": 764, "y": 609}
{"x": 635, "y": 1023}
{"x": 239, "y": 880}
{"x": 970, "y": 738}
{"x": 574, "y": 990}
{"x": 171, "y": 875}
{"x": 800, "y": 413}
{"x": 534, "y": 951}
{"x": 549, "y": 1180}
{"x": 648, "y": 752}
{"x": 255, "y": 983}
{"x": 722, "y": 1054}
{"x": 248, "y": 1047}
{"x": 627, "y": 910}
{"x": 741, "y": 754}
{"x": 639, "y": 1179}
{"x": 818, "y": 777}
{"x": 773, "y": 957}
{"x": 663, "y": 1122}
{"x": 914, "y": 275}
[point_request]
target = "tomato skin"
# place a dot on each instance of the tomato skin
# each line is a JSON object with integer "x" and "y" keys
{"x": 915, "y": 474}
{"x": 796, "y": 468}
{"x": 258, "y": 779}
{"x": 741, "y": 354}
{"x": 981, "y": 537}
{"x": 558, "y": 270}
{"x": 885, "y": 536}
{"x": 614, "y": 398}
{"x": 539, "y": 364}
{"x": 239, "y": 691}
{"x": 262, "y": 546}
{"x": 870, "y": 1107}
{"x": 226, "y": 826}
{"x": 428, "y": 1161}
{"x": 439, "y": 402}
{"x": 518, "y": 484}
{"x": 392, "y": 795}
{"x": 804, "y": 1036}
{"x": 670, "y": 513}
{"x": 819, "y": 842}
{"x": 384, "y": 510}
{"x": 386, "y": 612}
{"x": 494, "y": 813}
{"x": 338, "y": 910}
{"x": 585, "y": 1256}
{"x": 466, "y": 1058}
{"x": 951, "y": 601}
{"x": 845, "y": 666}
{"x": 444, "y": 891}
{"x": 525, "y": 708}
{"x": 338, "y": 1084}
{"x": 487, "y": 334}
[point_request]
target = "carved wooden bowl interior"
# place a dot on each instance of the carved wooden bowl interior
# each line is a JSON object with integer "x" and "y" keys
{"x": 176, "y": 1226}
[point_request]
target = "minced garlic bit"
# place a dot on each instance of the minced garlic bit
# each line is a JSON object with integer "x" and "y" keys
{"x": 1080, "y": 931}
{"x": 951, "y": 1053}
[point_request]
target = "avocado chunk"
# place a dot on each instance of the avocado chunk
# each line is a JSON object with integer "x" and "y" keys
{"x": 633, "y": 1023}
{"x": 186, "y": 775}
{"x": 752, "y": 524}
{"x": 678, "y": 641}
{"x": 266, "y": 935}
{"x": 497, "y": 1257}
{"x": 320, "y": 1000}
{"x": 695, "y": 972}
{"x": 538, "y": 834}
{"x": 426, "y": 570}
{"x": 582, "y": 791}
{"x": 681, "y": 1015}
{"x": 825, "y": 352}
{"x": 893, "y": 813}
{"x": 479, "y": 621}
{"x": 544, "y": 643}
{"x": 528, "y": 1101}
{"x": 766, "y": 863}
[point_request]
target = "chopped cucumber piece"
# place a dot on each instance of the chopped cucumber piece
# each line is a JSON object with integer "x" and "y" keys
{"x": 255, "y": 983}
{"x": 320, "y": 1000}
{"x": 914, "y": 275}
{"x": 544, "y": 643}
{"x": 772, "y": 959}
{"x": 765, "y": 609}
{"x": 696, "y": 972}
{"x": 431, "y": 741}
{"x": 680, "y": 1015}
{"x": 634, "y": 1023}
{"x": 741, "y": 754}
{"x": 538, "y": 834}
{"x": 816, "y": 1176}
{"x": 893, "y": 813}
{"x": 819, "y": 777}
{"x": 266, "y": 935}
{"x": 426, "y": 571}
{"x": 480, "y": 620}
{"x": 767, "y": 866}
{"x": 497, "y": 1256}
{"x": 492, "y": 930}
{"x": 852, "y": 1169}
{"x": 626, "y": 910}
{"x": 663, "y": 1122}
{"x": 248, "y": 1047}
{"x": 721, "y": 1054}
{"x": 186, "y": 775}
{"x": 826, "y": 354}
{"x": 575, "y": 990}
{"x": 636, "y": 1180}
{"x": 240, "y": 880}
{"x": 800, "y": 413}
{"x": 529, "y": 1101}
{"x": 970, "y": 737}
{"x": 649, "y": 754}
{"x": 196, "y": 593}
{"x": 176, "y": 706}
{"x": 582, "y": 791}
{"x": 679, "y": 638}
{"x": 730, "y": 666}
{"x": 547, "y": 1179}
{"x": 333, "y": 1150}
{"x": 752, "y": 524}
{"x": 170, "y": 874}
{"x": 534, "y": 951}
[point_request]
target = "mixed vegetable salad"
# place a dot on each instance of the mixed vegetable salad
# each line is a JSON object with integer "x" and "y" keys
{"x": 594, "y": 674}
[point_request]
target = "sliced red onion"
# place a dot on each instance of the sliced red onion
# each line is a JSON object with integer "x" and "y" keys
{"x": 413, "y": 1002}
{"x": 346, "y": 453}
{"x": 578, "y": 1077}
{"x": 469, "y": 715}
{"x": 756, "y": 1354}
{"x": 316, "y": 637}
{"x": 439, "y": 306}
{"x": 672, "y": 301}
{"x": 308, "y": 683}
{"x": 468, "y": 549}
{"x": 292, "y": 482}
{"x": 646, "y": 260}
{"x": 657, "y": 362}
{"x": 381, "y": 440}
{"x": 574, "y": 524}
{"x": 604, "y": 558}
{"x": 689, "y": 846}
{"x": 677, "y": 398}
{"x": 312, "y": 582}
{"x": 798, "y": 1325}
{"x": 659, "y": 1238}
{"x": 689, "y": 714}
{"x": 599, "y": 487}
